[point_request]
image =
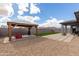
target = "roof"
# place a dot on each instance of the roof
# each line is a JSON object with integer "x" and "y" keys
{"x": 21, "y": 24}
{"x": 72, "y": 22}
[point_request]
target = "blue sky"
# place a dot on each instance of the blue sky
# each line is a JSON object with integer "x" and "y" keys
{"x": 60, "y": 11}
{"x": 63, "y": 11}
{"x": 48, "y": 12}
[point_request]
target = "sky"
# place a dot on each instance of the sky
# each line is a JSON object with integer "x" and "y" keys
{"x": 43, "y": 14}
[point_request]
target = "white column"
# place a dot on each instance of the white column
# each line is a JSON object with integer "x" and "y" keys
{"x": 65, "y": 29}
{"x": 62, "y": 29}
{"x": 71, "y": 29}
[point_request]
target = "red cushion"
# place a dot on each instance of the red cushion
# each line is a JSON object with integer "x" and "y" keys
{"x": 18, "y": 35}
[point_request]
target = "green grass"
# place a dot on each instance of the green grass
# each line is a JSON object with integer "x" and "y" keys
{"x": 46, "y": 33}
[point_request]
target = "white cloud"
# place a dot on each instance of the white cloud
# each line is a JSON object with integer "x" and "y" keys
{"x": 20, "y": 12}
{"x": 52, "y": 22}
{"x": 35, "y": 18}
{"x": 6, "y": 9}
{"x": 34, "y": 9}
{"x": 28, "y": 19}
{"x": 23, "y": 7}
{"x": 4, "y": 20}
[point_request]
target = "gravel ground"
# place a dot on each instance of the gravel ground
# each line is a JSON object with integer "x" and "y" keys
{"x": 39, "y": 46}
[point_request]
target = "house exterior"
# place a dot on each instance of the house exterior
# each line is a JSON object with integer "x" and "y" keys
{"x": 74, "y": 25}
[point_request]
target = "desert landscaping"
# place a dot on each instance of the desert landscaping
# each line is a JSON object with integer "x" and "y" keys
{"x": 57, "y": 45}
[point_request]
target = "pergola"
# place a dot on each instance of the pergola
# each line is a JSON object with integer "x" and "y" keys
{"x": 72, "y": 23}
{"x": 11, "y": 25}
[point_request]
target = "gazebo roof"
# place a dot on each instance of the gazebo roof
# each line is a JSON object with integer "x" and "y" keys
{"x": 21, "y": 24}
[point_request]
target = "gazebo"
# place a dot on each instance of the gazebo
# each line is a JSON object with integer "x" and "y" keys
{"x": 11, "y": 25}
{"x": 74, "y": 25}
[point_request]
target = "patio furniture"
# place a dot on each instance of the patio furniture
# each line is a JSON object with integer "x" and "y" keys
{"x": 18, "y": 35}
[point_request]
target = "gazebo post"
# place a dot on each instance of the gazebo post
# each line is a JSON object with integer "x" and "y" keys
{"x": 10, "y": 28}
{"x": 36, "y": 30}
{"x": 29, "y": 30}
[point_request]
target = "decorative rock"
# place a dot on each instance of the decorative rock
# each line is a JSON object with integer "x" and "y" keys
{"x": 6, "y": 40}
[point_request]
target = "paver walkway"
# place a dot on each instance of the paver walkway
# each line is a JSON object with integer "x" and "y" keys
{"x": 60, "y": 37}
